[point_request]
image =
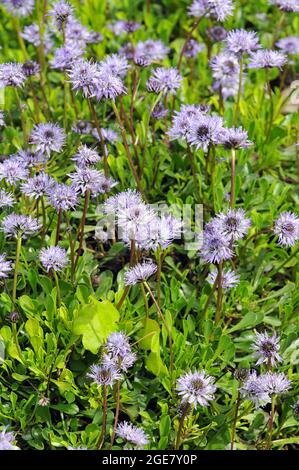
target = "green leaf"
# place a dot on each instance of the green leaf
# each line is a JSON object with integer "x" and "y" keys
{"x": 250, "y": 320}
{"x": 148, "y": 333}
{"x": 95, "y": 321}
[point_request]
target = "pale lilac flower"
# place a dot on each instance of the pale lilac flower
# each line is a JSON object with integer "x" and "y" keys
{"x": 216, "y": 9}
{"x": 159, "y": 111}
{"x": 134, "y": 221}
{"x": 235, "y": 137}
{"x": 224, "y": 65}
{"x": 32, "y": 159}
{"x": 114, "y": 64}
{"x": 31, "y": 34}
{"x": 165, "y": 81}
{"x": 2, "y": 121}
{"x": 122, "y": 201}
{"x": 102, "y": 375}
{"x": 289, "y": 45}
{"x": 109, "y": 87}
{"x": 267, "y": 58}
{"x": 6, "y": 440}
{"x": 38, "y": 186}
{"x": 287, "y": 5}
{"x": 140, "y": 272}
{"x": 118, "y": 352}
{"x": 53, "y": 258}
{"x": 240, "y": 41}
{"x": 233, "y": 224}
{"x": 196, "y": 388}
{"x": 30, "y": 68}
{"x": 216, "y": 246}
{"x": 86, "y": 156}
{"x": 266, "y": 348}
{"x": 65, "y": 56}
{"x": 19, "y": 7}
{"x": 84, "y": 76}
{"x": 252, "y": 389}
{"x": 5, "y": 267}
{"x": 132, "y": 434}
{"x": 13, "y": 170}
{"x": 183, "y": 119}
{"x": 275, "y": 383}
{"x": 78, "y": 35}
{"x": 152, "y": 50}
{"x": 193, "y": 48}
{"x": 161, "y": 232}
{"x": 117, "y": 28}
{"x": 286, "y": 227}
{"x": 12, "y": 74}
{"x": 89, "y": 179}
{"x": 82, "y": 127}
{"x": 229, "y": 279}
{"x": 63, "y": 197}
{"x": 48, "y": 137}
{"x": 14, "y": 225}
{"x": 6, "y": 199}
{"x": 109, "y": 135}
{"x": 205, "y": 131}
{"x": 61, "y": 12}
{"x": 217, "y": 33}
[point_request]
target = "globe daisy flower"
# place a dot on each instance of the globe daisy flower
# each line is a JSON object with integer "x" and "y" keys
{"x": 61, "y": 12}
{"x": 5, "y": 266}
{"x": 53, "y": 258}
{"x": 140, "y": 272}
{"x": 241, "y": 41}
{"x": 84, "y": 75}
{"x": 114, "y": 64}
{"x": 204, "y": 131}
{"x": 86, "y": 156}
{"x": 235, "y": 137}
{"x": 165, "y": 81}
{"x": 14, "y": 225}
{"x": 63, "y": 197}
{"x": 229, "y": 279}
{"x": 19, "y": 8}
{"x": 286, "y": 227}
{"x": 7, "y": 440}
{"x": 266, "y": 348}
{"x": 196, "y": 388}
{"x": 12, "y": 74}
{"x": 267, "y": 58}
{"x": 132, "y": 434}
{"x": 38, "y": 186}
{"x": 234, "y": 223}
{"x": 102, "y": 375}
{"x": 289, "y": 45}
{"x": 6, "y": 199}
{"x": 47, "y": 137}
{"x": 13, "y": 170}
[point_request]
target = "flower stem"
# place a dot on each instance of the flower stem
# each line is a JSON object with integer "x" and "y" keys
{"x": 219, "y": 293}
{"x": 59, "y": 219}
{"x": 271, "y": 422}
{"x": 116, "y": 413}
{"x": 100, "y": 134}
{"x": 23, "y": 120}
{"x": 237, "y": 105}
{"x": 188, "y": 37}
{"x": 82, "y": 225}
{"x": 104, "y": 422}
{"x": 233, "y": 178}
{"x": 15, "y": 279}
{"x": 123, "y": 297}
{"x": 57, "y": 289}
{"x": 235, "y": 421}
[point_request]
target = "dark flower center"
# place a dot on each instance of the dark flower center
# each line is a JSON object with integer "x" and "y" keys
{"x": 268, "y": 348}
{"x": 202, "y": 132}
{"x": 49, "y": 134}
{"x": 232, "y": 223}
{"x": 288, "y": 227}
{"x": 197, "y": 385}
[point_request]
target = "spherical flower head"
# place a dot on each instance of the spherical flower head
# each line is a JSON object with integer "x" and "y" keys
{"x": 252, "y": 389}
{"x": 267, "y": 58}
{"x": 32, "y": 159}
{"x": 118, "y": 344}
{"x": 234, "y": 224}
{"x": 5, "y": 267}
{"x": 102, "y": 375}
{"x": 61, "y": 12}
{"x": 109, "y": 86}
{"x": 38, "y": 186}
{"x": 77, "y": 34}
{"x": 274, "y": 383}
{"x": 63, "y": 197}
{"x": 66, "y": 56}
{"x": 115, "y": 64}
{"x": 15, "y": 225}
{"x": 165, "y": 81}
{"x": 47, "y": 137}
{"x": 31, "y": 34}
{"x": 162, "y": 232}
{"x": 12, "y": 74}
{"x": 152, "y": 50}
{"x": 217, "y": 33}
{"x": 86, "y": 156}
{"x": 183, "y": 119}
{"x": 140, "y": 272}
{"x": 53, "y": 258}
{"x": 235, "y": 137}
{"x": 216, "y": 247}
{"x": 159, "y": 111}
{"x": 13, "y": 170}
{"x": 216, "y": 9}
{"x": 117, "y": 28}
{"x": 204, "y": 131}
{"x": 109, "y": 135}
{"x": 229, "y": 279}
{"x": 84, "y": 76}
{"x": 193, "y": 48}
{"x": 287, "y": 5}
{"x": 31, "y": 68}
{"x": 132, "y": 434}
{"x": 19, "y": 7}
{"x": 196, "y": 388}
{"x": 123, "y": 363}
{"x": 88, "y": 179}
{"x": 6, "y": 440}
{"x": 286, "y": 227}
{"x": 224, "y": 65}
{"x": 134, "y": 220}
{"x": 289, "y": 45}
{"x": 266, "y": 348}
{"x": 240, "y": 42}
{"x": 6, "y": 199}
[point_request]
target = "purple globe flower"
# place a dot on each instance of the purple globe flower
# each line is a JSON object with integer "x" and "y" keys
{"x": 216, "y": 246}
{"x": 114, "y": 64}
{"x": 13, "y": 170}
{"x": 286, "y": 227}
{"x": 6, "y": 440}
{"x": 19, "y": 7}
{"x": 241, "y": 42}
{"x": 63, "y": 197}
{"x": 15, "y": 225}
{"x": 12, "y": 74}
{"x": 118, "y": 352}
{"x": 132, "y": 434}
{"x": 204, "y": 131}
{"x": 193, "y": 48}
{"x": 61, "y": 12}
{"x": 140, "y": 272}
{"x": 289, "y": 45}
{"x": 109, "y": 86}
{"x": 31, "y": 68}
{"x": 151, "y": 50}
{"x": 253, "y": 390}
{"x": 196, "y": 388}
{"x": 217, "y": 33}
{"x": 6, "y": 199}
{"x": 235, "y": 137}
{"x": 5, "y": 267}
{"x": 274, "y": 383}
{"x": 266, "y": 348}
{"x": 31, "y": 34}
{"x": 287, "y": 5}
{"x": 266, "y": 58}
{"x": 32, "y": 159}
{"x": 86, "y": 156}
{"x": 229, "y": 279}
{"x": 53, "y": 258}
{"x": 66, "y": 56}
{"x": 38, "y": 186}
{"x": 216, "y": 9}
{"x": 102, "y": 375}
{"x": 47, "y": 137}
{"x": 84, "y": 76}
{"x": 89, "y": 179}
{"x": 165, "y": 81}
{"x": 234, "y": 223}
{"x": 183, "y": 119}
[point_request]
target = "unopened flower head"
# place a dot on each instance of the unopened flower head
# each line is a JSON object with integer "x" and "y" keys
{"x": 217, "y": 33}
{"x": 15, "y": 225}
{"x": 140, "y": 272}
{"x": 86, "y": 156}
{"x": 5, "y": 266}
{"x": 47, "y": 137}
{"x": 196, "y": 388}
{"x": 286, "y": 227}
{"x": 229, "y": 279}
{"x": 37, "y": 186}
{"x": 102, "y": 375}
{"x": 132, "y": 434}
{"x": 53, "y": 258}
{"x": 6, "y": 199}
{"x": 63, "y": 197}
{"x": 12, "y": 74}
{"x": 266, "y": 348}
{"x": 165, "y": 81}
{"x": 240, "y": 41}
{"x": 19, "y": 7}
{"x": 82, "y": 127}
{"x": 159, "y": 111}
{"x": 13, "y": 170}
{"x": 267, "y": 58}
